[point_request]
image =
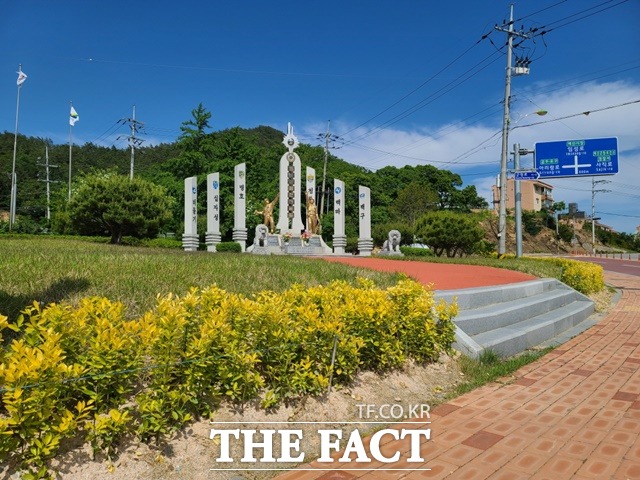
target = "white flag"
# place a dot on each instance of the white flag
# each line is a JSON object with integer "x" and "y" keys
{"x": 21, "y": 77}
{"x": 73, "y": 116}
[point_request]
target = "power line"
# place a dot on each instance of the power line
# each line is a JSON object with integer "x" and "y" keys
{"x": 586, "y": 112}
{"x": 477, "y": 148}
{"x": 619, "y": 215}
{"x": 540, "y": 11}
{"x": 407, "y": 95}
{"x": 547, "y": 30}
{"x": 444, "y": 90}
{"x": 564, "y": 85}
{"x": 439, "y": 134}
{"x": 468, "y": 74}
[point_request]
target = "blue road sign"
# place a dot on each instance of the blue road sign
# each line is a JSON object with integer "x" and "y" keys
{"x": 527, "y": 175}
{"x": 571, "y": 158}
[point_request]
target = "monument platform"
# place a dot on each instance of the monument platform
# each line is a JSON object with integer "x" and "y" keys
{"x": 275, "y": 244}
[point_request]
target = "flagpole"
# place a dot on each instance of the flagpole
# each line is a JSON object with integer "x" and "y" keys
{"x": 14, "y": 182}
{"x": 70, "y": 144}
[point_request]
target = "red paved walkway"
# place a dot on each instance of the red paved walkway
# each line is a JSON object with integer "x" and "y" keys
{"x": 441, "y": 275}
{"x": 573, "y": 414}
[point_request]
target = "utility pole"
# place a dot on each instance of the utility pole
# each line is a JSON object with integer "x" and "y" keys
{"x": 328, "y": 137}
{"x": 517, "y": 151}
{"x": 502, "y": 221}
{"x": 593, "y": 210}
{"x": 48, "y": 181}
{"x": 134, "y": 142}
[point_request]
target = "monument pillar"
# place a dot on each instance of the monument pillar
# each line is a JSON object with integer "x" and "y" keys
{"x": 289, "y": 216}
{"x": 213, "y": 237}
{"x": 240, "y": 206}
{"x": 365, "y": 242}
{"x": 311, "y": 183}
{"x": 339, "y": 236}
{"x": 190, "y": 237}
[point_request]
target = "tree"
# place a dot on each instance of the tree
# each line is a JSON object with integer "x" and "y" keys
{"x": 196, "y": 145}
{"x": 444, "y": 183}
{"x": 413, "y": 201}
{"x": 193, "y": 131}
{"x": 467, "y": 199}
{"x": 108, "y": 203}
{"x": 450, "y": 232}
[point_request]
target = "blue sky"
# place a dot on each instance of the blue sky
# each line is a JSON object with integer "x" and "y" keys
{"x": 403, "y": 82}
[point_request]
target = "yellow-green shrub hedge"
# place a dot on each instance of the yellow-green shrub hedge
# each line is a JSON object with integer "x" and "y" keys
{"x": 584, "y": 277}
{"x": 91, "y": 372}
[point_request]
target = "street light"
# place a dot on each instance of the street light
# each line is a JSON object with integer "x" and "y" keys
{"x": 540, "y": 113}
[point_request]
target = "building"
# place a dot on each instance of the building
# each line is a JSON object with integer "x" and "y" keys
{"x": 535, "y": 195}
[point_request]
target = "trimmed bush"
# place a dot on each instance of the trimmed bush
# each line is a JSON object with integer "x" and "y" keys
{"x": 229, "y": 247}
{"x": 416, "y": 252}
{"x": 584, "y": 277}
{"x": 91, "y": 373}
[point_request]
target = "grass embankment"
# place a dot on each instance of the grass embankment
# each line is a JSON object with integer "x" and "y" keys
{"x": 55, "y": 270}
{"x": 66, "y": 269}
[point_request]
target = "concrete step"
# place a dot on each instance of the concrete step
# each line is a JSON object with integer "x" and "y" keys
{"x": 490, "y": 317}
{"x": 512, "y": 318}
{"x": 513, "y": 339}
{"x": 470, "y": 298}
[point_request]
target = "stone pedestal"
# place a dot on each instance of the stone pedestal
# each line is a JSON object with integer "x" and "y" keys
{"x": 271, "y": 245}
{"x": 190, "y": 242}
{"x": 339, "y": 244}
{"x": 313, "y": 246}
{"x": 365, "y": 246}
{"x": 279, "y": 245}
{"x": 212, "y": 239}
{"x": 240, "y": 235}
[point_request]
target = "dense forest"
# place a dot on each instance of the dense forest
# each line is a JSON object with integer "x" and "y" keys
{"x": 399, "y": 195}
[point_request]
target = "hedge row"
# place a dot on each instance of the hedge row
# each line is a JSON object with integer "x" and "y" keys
{"x": 89, "y": 372}
{"x": 584, "y": 277}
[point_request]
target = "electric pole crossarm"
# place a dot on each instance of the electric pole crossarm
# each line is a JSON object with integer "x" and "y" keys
{"x": 134, "y": 142}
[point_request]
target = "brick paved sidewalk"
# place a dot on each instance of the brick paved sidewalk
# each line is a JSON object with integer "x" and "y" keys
{"x": 573, "y": 414}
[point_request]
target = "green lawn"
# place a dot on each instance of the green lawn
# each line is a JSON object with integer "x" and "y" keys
{"x": 50, "y": 269}
{"x": 62, "y": 269}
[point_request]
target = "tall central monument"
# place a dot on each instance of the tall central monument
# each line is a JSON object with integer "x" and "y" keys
{"x": 290, "y": 218}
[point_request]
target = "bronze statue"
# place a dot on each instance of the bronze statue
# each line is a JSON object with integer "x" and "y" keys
{"x": 312, "y": 215}
{"x": 267, "y": 213}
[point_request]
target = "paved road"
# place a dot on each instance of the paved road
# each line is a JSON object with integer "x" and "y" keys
{"x": 628, "y": 267}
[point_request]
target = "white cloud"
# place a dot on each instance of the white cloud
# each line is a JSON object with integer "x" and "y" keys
{"x": 475, "y": 149}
